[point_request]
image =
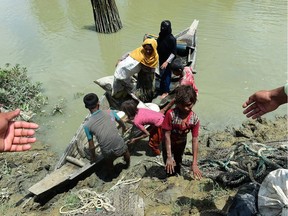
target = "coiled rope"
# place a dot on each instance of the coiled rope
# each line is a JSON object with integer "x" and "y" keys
{"x": 88, "y": 200}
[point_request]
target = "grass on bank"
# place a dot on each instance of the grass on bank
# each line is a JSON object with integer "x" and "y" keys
{"x": 18, "y": 91}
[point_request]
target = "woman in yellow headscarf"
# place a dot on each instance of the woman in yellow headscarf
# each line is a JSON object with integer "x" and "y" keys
{"x": 144, "y": 58}
{"x": 147, "y": 53}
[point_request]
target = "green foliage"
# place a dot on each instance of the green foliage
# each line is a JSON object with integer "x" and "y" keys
{"x": 78, "y": 95}
{"x": 176, "y": 210}
{"x": 17, "y": 91}
{"x": 58, "y": 108}
{"x": 5, "y": 168}
{"x": 72, "y": 199}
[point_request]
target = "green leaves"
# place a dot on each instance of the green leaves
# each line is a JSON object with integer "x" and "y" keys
{"x": 18, "y": 91}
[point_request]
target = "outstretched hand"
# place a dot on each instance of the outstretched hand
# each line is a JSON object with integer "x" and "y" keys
{"x": 259, "y": 104}
{"x": 15, "y": 135}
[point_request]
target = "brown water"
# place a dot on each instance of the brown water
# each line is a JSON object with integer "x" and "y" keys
{"x": 242, "y": 47}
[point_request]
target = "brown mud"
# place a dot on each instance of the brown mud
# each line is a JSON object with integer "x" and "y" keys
{"x": 181, "y": 195}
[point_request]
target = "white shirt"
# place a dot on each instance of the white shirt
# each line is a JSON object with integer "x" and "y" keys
{"x": 127, "y": 68}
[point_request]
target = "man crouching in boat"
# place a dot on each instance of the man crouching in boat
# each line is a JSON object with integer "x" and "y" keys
{"x": 102, "y": 125}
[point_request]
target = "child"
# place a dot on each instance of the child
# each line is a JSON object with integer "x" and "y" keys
{"x": 144, "y": 116}
{"x": 176, "y": 125}
{"x": 102, "y": 125}
{"x": 185, "y": 73}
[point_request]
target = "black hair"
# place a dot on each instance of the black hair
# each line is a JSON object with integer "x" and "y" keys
{"x": 90, "y": 100}
{"x": 130, "y": 108}
{"x": 185, "y": 94}
{"x": 176, "y": 65}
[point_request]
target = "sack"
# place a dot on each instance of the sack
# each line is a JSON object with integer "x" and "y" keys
{"x": 273, "y": 194}
{"x": 244, "y": 202}
{"x": 105, "y": 83}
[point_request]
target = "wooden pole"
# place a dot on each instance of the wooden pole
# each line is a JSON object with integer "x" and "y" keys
{"x": 106, "y": 16}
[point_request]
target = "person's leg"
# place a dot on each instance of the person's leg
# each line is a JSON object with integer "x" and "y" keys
{"x": 178, "y": 153}
{"x": 126, "y": 158}
{"x": 109, "y": 166}
{"x": 164, "y": 152}
{"x": 165, "y": 81}
{"x": 154, "y": 139}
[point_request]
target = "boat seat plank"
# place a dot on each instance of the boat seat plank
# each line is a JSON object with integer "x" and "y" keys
{"x": 54, "y": 179}
{"x": 86, "y": 167}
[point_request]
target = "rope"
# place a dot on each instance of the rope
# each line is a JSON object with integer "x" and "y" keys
{"x": 246, "y": 160}
{"x": 266, "y": 159}
{"x": 88, "y": 200}
{"x": 124, "y": 182}
{"x": 251, "y": 174}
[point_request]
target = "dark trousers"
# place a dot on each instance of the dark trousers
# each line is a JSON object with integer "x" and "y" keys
{"x": 165, "y": 80}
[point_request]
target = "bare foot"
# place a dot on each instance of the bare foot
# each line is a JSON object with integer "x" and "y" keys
{"x": 163, "y": 95}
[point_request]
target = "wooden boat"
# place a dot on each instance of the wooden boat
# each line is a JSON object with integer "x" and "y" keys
{"x": 73, "y": 163}
{"x": 186, "y": 50}
{"x": 186, "y": 43}
{"x": 75, "y": 160}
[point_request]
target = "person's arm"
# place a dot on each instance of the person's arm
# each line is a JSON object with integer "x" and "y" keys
{"x": 122, "y": 125}
{"x": 264, "y": 101}
{"x": 144, "y": 135}
{"x": 168, "y": 106}
{"x": 194, "y": 165}
{"x": 119, "y": 121}
{"x": 92, "y": 150}
{"x": 169, "y": 60}
{"x": 91, "y": 143}
{"x": 170, "y": 162}
{"x": 15, "y": 135}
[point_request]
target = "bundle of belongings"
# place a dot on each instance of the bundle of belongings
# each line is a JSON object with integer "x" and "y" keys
{"x": 272, "y": 197}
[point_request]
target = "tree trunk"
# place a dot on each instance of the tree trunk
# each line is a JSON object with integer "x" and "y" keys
{"x": 106, "y": 16}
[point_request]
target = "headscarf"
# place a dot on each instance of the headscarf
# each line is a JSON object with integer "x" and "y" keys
{"x": 139, "y": 54}
{"x": 166, "y": 42}
{"x": 165, "y": 29}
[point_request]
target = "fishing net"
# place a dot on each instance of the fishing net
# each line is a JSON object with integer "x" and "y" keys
{"x": 245, "y": 162}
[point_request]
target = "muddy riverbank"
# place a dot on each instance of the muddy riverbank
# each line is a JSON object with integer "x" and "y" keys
{"x": 153, "y": 193}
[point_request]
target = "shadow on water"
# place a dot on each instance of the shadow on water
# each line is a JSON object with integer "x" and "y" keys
{"x": 90, "y": 28}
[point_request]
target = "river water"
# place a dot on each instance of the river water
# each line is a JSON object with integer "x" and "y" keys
{"x": 242, "y": 47}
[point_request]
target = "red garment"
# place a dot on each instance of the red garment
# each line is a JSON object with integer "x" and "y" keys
{"x": 155, "y": 139}
{"x": 188, "y": 78}
{"x": 179, "y": 128}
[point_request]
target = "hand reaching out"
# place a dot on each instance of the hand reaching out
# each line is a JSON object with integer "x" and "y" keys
{"x": 15, "y": 135}
{"x": 263, "y": 102}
